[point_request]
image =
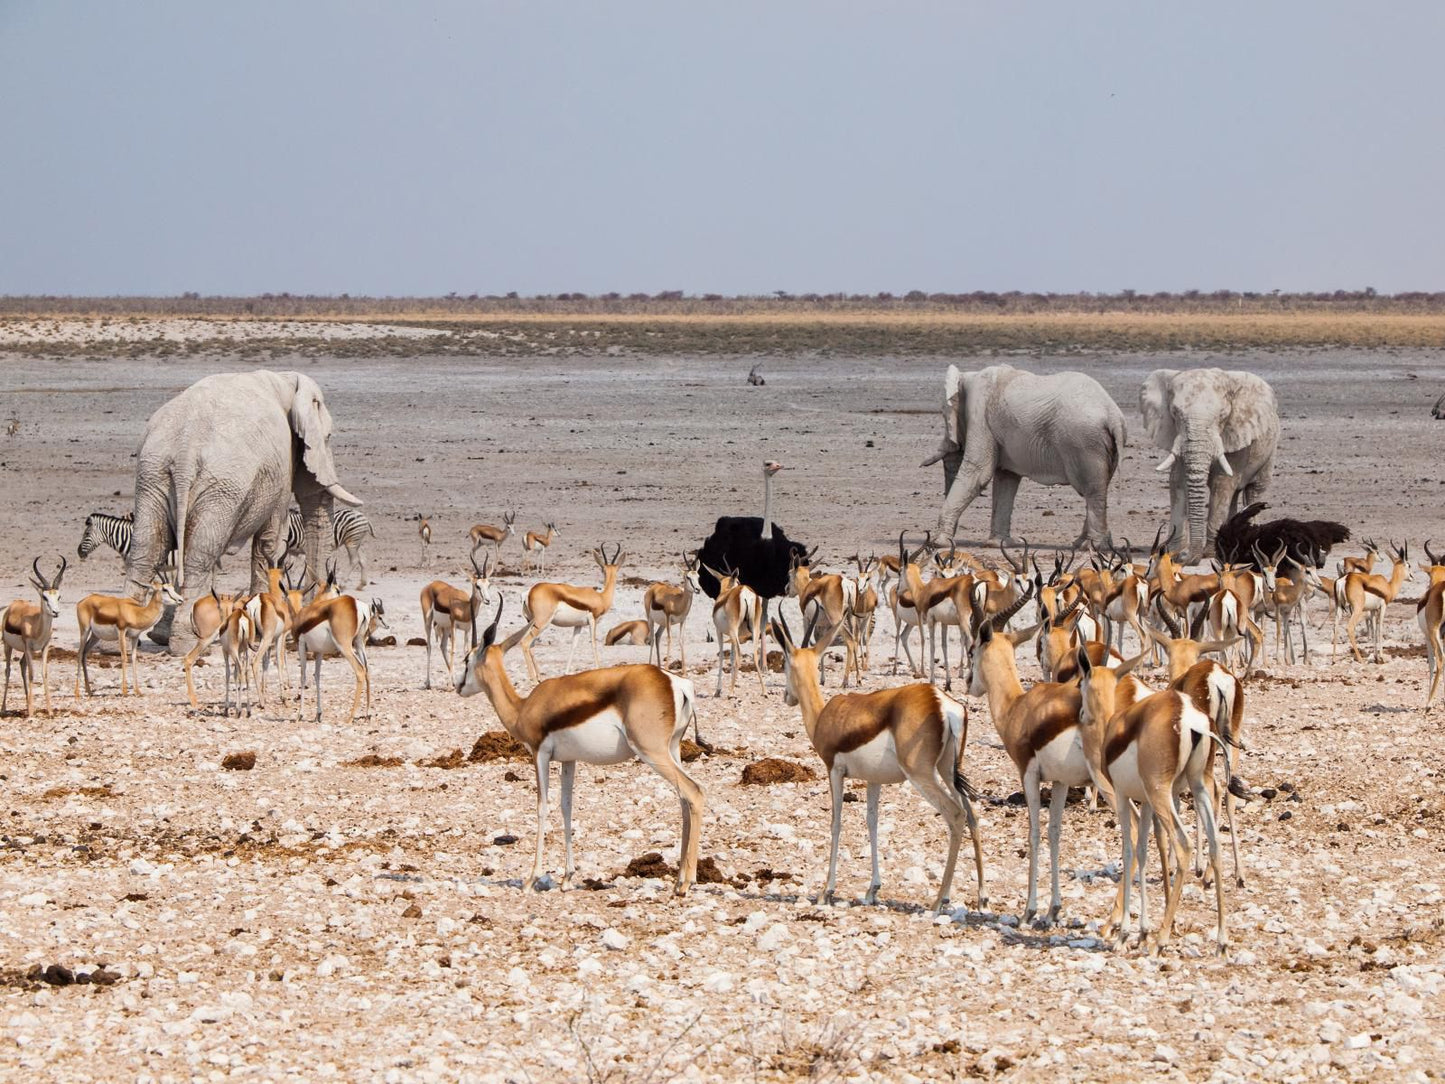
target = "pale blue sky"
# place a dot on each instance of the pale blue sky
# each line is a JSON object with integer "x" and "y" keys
{"x": 419, "y": 148}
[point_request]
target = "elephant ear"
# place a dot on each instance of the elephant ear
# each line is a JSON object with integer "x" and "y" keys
{"x": 1253, "y": 413}
{"x": 311, "y": 422}
{"x": 1155, "y": 400}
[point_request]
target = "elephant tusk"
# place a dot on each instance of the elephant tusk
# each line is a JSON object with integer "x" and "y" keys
{"x": 947, "y": 448}
{"x": 343, "y": 496}
{"x": 1166, "y": 462}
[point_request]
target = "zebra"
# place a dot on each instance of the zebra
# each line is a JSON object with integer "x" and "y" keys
{"x": 349, "y": 528}
{"x": 114, "y": 531}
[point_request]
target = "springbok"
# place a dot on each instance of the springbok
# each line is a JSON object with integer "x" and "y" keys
{"x": 569, "y": 607}
{"x": 1149, "y": 752}
{"x": 110, "y": 617}
{"x": 446, "y": 610}
{"x": 26, "y": 628}
{"x": 666, "y": 605}
{"x": 1367, "y": 595}
{"x": 209, "y": 614}
{"x": 534, "y": 548}
{"x": 337, "y": 626}
{"x": 604, "y": 716}
{"x": 913, "y": 734}
{"x": 736, "y": 615}
{"x": 484, "y": 533}
{"x": 423, "y": 532}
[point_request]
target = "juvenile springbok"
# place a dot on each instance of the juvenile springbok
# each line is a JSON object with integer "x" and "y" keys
{"x": 865, "y": 607}
{"x": 1368, "y": 594}
{"x": 736, "y": 615}
{"x": 569, "y": 607}
{"x": 337, "y": 626}
{"x": 484, "y": 533}
{"x": 209, "y": 614}
{"x": 124, "y": 620}
{"x": 628, "y": 632}
{"x": 534, "y": 547}
{"x": 447, "y": 610}
{"x": 913, "y": 733}
{"x": 1430, "y": 614}
{"x": 423, "y": 532}
{"x": 1149, "y": 752}
{"x": 26, "y": 627}
{"x": 666, "y": 605}
{"x": 1364, "y": 564}
{"x": 1286, "y": 596}
{"x": 237, "y": 636}
{"x": 605, "y": 716}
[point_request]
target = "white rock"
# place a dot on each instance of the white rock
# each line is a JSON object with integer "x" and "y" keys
{"x": 615, "y": 939}
{"x": 772, "y": 939}
{"x": 719, "y": 982}
{"x": 33, "y": 899}
{"x": 518, "y": 979}
{"x": 330, "y": 964}
{"x": 1358, "y": 1042}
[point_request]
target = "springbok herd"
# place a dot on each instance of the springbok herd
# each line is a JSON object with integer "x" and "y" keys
{"x": 1098, "y": 622}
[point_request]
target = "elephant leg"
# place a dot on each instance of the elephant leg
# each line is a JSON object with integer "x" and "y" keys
{"x": 970, "y": 481}
{"x": 1096, "y": 510}
{"x": 1005, "y": 489}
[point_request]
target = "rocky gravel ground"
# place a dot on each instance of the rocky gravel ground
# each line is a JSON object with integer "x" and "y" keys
{"x": 344, "y": 899}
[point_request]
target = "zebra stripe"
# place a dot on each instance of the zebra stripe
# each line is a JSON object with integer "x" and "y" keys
{"x": 349, "y": 527}
{"x": 295, "y": 532}
{"x": 114, "y": 531}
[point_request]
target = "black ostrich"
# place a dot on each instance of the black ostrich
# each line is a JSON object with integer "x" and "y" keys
{"x": 1239, "y": 537}
{"x": 753, "y": 549}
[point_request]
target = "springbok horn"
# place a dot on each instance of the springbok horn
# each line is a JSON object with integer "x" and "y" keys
{"x": 60, "y": 574}
{"x": 40, "y": 576}
{"x": 1003, "y": 617}
{"x": 1169, "y": 622}
{"x": 1429, "y": 556}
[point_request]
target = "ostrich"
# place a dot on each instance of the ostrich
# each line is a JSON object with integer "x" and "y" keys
{"x": 760, "y": 554}
{"x": 1239, "y": 536}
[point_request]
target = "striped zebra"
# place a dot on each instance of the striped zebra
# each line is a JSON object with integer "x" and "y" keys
{"x": 114, "y": 531}
{"x": 349, "y": 529}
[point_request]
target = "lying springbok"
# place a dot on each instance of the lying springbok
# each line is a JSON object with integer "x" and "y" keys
{"x": 124, "y": 620}
{"x": 26, "y": 628}
{"x": 912, "y": 734}
{"x": 447, "y": 610}
{"x": 604, "y": 716}
{"x": 569, "y": 607}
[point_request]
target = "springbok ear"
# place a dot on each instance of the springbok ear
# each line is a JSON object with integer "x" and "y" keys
{"x": 490, "y": 635}
{"x": 1082, "y": 661}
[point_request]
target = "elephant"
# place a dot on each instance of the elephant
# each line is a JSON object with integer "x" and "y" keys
{"x": 1001, "y": 424}
{"x": 219, "y": 466}
{"x": 1220, "y": 428}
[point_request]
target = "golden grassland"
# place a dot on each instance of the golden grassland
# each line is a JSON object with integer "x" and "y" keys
{"x": 769, "y": 329}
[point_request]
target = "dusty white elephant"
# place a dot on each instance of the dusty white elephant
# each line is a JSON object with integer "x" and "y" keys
{"x": 1220, "y": 428}
{"x": 219, "y": 467}
{"x": 1002, "y": 424}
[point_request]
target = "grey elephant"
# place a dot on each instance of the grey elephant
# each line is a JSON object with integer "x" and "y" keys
{"x": 219, "y": 467}
{"x": 1002, "y": 424}
{"x": 1220, "y": 428}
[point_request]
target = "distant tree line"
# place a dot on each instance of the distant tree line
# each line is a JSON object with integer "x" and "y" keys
{"x": 665, "y": 302}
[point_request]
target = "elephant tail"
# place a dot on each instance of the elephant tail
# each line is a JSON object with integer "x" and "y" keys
{"x": 1117, "y": 436}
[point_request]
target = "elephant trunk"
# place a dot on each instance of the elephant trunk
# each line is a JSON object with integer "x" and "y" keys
{"x": 951, "y": 462}
{"x": 1198, "y": 457}
{"x": 316, "y": 505}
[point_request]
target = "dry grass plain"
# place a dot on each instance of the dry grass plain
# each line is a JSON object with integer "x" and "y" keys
{"x": 350, "y": 906}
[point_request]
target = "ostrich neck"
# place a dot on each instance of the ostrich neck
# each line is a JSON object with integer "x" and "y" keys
{"x": 767, "y": 506}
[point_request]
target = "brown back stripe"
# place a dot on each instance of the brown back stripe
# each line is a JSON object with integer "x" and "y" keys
{"x": 1125, "y": 736}
{"x": 1062, "y": 715}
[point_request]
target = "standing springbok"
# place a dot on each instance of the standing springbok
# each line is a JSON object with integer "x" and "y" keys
{"x": 423, "y": 532}
{"x": 1430, "y": 614}
{"x": 865, "y": 607}
{"x": 913, "y": 733}
{"x": 1149, "y": 752}
{"x": 604, "y": 716}
{"x": 825, "y": 600}
{"x": 1368, "y": 594}
{"x": 446, "y": 610}
{"x": 1286, "y": 595}
{"x": 666, "y": 605}
{"x": 736, "y": 615}
{"x": 237, "y": 635}
{"x": 337, "y": 626}
{"x": 484, "y": 533}
{"x": 570, "y": 607}
{"x": 534, "y": 547}
{"x": 26, "y": 628}
{"x": 209, "y": 614}
{"x": 1039, "y": 730}
{"x": 110, "y": 617}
